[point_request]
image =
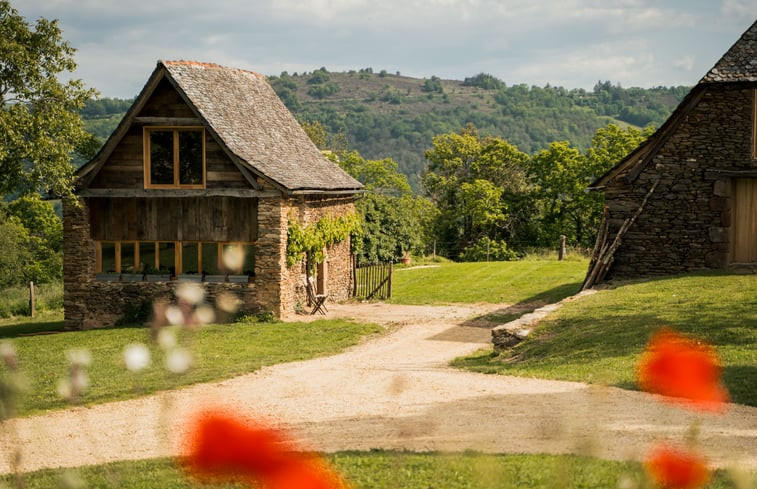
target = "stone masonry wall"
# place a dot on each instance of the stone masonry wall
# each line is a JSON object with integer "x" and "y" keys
{"x": 685, "y": 224}
{"x": 338, "y": 258}
{"x": 78, "y": 263}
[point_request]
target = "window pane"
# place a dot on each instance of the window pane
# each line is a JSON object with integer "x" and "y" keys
{"x": 147, "y": 256}
{"x": 210, "y": 259}
{"x": 167, "y": 258}
{"x": 108, "y": 257}
{"x": 189, "y": 258}
{"x": 127, "y": 258}
{"x": 161, "y": 157}
{"x": 249, "y": 259}
{"x": 190, "y": 157}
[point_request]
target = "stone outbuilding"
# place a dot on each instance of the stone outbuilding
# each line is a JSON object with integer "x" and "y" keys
{"x": 686, "y": 199}
{"x": 199, "y": 182}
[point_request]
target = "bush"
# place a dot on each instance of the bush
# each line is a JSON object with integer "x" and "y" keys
{"x": 322, "y": 91}
{"x": 486, "y": 249}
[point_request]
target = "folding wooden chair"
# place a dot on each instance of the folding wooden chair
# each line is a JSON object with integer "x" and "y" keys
{"x": 315, "y": 300}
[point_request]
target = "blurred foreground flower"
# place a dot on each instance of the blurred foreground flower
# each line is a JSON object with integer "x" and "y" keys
{"x": 224, "y": 446}
{"x": 674, "y": 468}
{"x": 678, "y": 367}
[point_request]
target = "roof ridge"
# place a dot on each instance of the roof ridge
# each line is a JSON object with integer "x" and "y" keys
{"x": 202, "y": 64}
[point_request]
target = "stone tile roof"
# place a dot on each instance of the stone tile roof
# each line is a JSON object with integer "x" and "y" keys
{"x": 254, "y": 124}
{"x": 738, "y": 64}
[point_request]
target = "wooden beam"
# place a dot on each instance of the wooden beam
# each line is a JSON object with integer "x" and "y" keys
{"x": 147, "y": 193}
{"x": 169, "y": 121}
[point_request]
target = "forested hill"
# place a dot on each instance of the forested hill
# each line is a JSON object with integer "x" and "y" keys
{"x": 389, "y": 115}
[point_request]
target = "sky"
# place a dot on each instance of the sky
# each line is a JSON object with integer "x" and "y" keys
{"x": 569, "y": 43}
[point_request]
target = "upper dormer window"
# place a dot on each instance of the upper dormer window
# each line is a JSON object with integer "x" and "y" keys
{"x": 174, "y": 157}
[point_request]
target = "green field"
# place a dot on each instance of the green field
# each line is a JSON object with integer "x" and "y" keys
{"x": 530, "y": 280}
{"x": 394, "y": 470}
{"x": 599, "y": 338}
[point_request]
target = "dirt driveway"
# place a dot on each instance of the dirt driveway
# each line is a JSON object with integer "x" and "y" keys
{"x": 395, "y": 392}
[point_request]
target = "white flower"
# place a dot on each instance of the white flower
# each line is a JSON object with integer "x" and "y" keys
{"x": 190, "y": 293}
{"x": 64, "y": 389}
{"x": 79, "y": 357}
{"x": 8, "y": 354}
{"x": 204, "y": 314}
{"x": 166, "y": 338}
{"x": 178, "y": 361}
{"x": 227, "y": 302}
{"x": 174, "y": 315}
{"x": 233, "y": 257}
{"x": 137, "y": 357}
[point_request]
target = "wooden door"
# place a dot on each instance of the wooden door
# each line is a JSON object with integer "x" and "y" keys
{"x": 744, "y": 221}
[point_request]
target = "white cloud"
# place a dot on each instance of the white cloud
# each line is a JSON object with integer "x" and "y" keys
{"x": 685, "y": 63}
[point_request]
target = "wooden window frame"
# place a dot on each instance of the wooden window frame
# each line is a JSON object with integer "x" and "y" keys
{"x": 178, "y": 254}
{"x": 176, "y": 177}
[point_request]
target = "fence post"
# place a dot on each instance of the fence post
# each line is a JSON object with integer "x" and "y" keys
{"x": 561, "y": 254}
{"x": 389, "y": 292}
{"x": 31, "y": 299}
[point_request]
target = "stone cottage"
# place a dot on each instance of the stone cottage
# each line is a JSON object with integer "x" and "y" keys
{"x": 207, "y": 164}
{"x": 686, "y": 199}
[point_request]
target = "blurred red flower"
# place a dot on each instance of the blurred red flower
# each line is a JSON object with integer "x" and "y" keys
{"x": 224, "y": 446}
{"x": 673, "y": 468}
{"x": 678, "y": 367}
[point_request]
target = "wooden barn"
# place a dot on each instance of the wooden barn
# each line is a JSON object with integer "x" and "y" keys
{"x": 686, "y": 199}
{"x": 207, "y": 163}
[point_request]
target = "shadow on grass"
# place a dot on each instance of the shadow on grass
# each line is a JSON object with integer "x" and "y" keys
{"x": 510, "y": 313}
{"x": 31, "y": 327}
{"x": 740, "y": 382}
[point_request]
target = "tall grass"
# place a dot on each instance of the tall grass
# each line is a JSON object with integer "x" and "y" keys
{"x": 14, "y": 301}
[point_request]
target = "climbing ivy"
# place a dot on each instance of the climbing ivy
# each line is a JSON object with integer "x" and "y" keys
{"x": 310, "y": 241}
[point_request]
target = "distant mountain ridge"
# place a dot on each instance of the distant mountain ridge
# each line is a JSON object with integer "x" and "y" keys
{"x": 389, "y": 115}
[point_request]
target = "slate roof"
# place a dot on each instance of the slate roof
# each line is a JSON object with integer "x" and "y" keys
{"x": 737, "y": 65}
{"x": 241, "y": 108}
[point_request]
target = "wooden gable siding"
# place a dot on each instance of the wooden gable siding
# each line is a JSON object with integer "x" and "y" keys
{"x": 216, "y": 219}
{"x": 124, "y": 168}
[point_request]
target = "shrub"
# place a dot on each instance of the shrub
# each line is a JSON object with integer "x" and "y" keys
{"x": 486, "y": 249}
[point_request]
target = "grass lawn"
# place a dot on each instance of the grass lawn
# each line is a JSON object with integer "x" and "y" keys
{"x": 523, "y": 281}
{"x": 599, "y": 338}
{"x": 392, "y": 470}
{"x": 220, "y": 351}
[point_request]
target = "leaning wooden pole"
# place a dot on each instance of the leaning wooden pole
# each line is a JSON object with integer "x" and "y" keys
{"x": 607, "y": 253}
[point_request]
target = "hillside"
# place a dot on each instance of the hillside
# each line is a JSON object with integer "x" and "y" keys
{"x": 389, "y": 115}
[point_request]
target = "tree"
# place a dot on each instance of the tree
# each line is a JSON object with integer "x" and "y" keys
{"x": 40, "y": 126}
{"x": 475, "y": 182}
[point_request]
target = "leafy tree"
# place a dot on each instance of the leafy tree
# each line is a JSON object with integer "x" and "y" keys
{"x": 30, "y": 240}
{"x": 475, "y": 182}
{"x": 40, "y": 126}
{"x": 485, "y": 81}
{"x": 434, "y": 84}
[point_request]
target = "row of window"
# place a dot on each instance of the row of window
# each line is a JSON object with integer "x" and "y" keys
{"x": 175, "y": 257}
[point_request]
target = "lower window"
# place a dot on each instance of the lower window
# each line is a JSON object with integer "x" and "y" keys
{"x": 175, "y": 257}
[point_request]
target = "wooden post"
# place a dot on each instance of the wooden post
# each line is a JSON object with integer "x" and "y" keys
{"x": 561, "y": 255}
{"x": 389, "y": 291}
{"x": 31, "y": 299}
{"x": 487, "y": 250}
{"x": 434, "y": 250}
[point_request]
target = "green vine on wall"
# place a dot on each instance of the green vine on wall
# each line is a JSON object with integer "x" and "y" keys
{"x": 310, "y": 241}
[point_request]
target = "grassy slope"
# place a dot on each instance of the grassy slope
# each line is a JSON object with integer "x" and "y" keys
{"x": 220, "y": 351}
{"x": 390, "y": 470}
{"x": 599, "y": 338}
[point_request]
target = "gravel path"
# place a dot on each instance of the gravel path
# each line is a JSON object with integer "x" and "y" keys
{"x": 393, "y": 392}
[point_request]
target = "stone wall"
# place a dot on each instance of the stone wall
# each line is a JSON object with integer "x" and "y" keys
{"x": 78, "y": 263}
{"x": 685, "y": 224}
{"x": 338, "y": 258}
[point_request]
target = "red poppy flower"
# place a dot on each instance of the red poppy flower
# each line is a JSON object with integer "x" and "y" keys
{"x": 224, "y": 446}
{"x": 674, "y": 468}
{"x": 678, "y": 367}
